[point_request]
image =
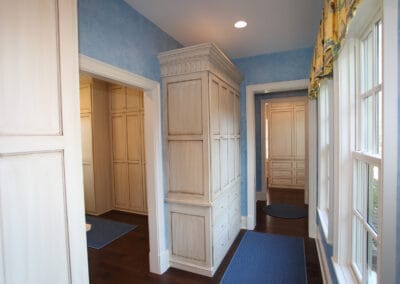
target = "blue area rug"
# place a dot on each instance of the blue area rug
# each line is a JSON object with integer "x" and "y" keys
{"x": 105, "y": 231}
{"x": 267, "y": 258}
{"x": 286, "y": 211}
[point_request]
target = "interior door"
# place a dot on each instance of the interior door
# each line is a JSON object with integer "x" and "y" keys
{"x": 42, "y": 232}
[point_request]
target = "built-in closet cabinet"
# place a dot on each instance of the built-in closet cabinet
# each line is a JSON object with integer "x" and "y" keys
{"x": 95, "y": 145}
{"x": 128, "y": 159}
{"x": 202, "y": 155}
{"x": 287, "y": 143}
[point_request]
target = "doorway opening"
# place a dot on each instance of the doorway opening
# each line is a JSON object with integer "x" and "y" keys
{"x": 154, "y": 201}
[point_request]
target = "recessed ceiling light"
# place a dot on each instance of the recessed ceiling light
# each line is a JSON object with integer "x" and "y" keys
{"x": 240, "y": 24}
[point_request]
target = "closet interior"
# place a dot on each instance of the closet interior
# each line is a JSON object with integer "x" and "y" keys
{"x": 113, "y": 156}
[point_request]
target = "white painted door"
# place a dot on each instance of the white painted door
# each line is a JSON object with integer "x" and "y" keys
{"x": 42, "y": 232}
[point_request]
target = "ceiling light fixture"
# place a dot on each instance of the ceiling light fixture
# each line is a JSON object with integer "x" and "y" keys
{"x": 240, "y": 24}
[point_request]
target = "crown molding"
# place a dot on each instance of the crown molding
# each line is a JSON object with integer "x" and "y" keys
{"x": 197, "y": 58}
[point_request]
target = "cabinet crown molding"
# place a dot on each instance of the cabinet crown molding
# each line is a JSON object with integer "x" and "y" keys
{"x": 197, "y": 58}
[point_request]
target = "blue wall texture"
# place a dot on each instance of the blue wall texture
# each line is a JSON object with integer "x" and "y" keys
{"x": 267, "y": 68}
{"x": 115, "y": 33}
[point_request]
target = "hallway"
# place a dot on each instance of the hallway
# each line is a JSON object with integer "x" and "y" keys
{"x": 126, "y": 259}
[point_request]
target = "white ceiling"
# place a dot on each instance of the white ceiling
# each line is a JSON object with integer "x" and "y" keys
{"x": 273, "y": 25}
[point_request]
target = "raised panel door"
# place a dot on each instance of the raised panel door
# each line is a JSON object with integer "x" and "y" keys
{"x": 280, "y": 136}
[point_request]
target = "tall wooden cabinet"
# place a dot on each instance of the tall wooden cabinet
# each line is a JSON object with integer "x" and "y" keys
{"x": 95, "y": 145}
{"x": 128, "y": 159}
{"x": 287, "y": 143}
{"x": 202, "y": 155}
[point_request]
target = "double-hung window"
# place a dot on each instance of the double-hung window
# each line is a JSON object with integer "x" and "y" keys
{"x": 367, "y": 156}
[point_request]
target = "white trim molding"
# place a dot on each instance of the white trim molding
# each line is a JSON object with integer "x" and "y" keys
{"x": 159, "y": 255}
{"x": 251, "y": 91}
{"x": 390, "y": 142}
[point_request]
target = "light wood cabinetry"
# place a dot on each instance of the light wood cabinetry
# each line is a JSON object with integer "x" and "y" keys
{"x": 202, "y": 155}
{"x": 128, "y": 159}
{"x": 287, "y": 144}
{"x": 95, "y": 145}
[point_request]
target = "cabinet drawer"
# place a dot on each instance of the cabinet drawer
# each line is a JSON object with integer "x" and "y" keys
{"x": 281, "y": 173}
{"x": 281, "y": 165}
{"x": 220, "y": 205}
{"x": 220, "y": 247}
{"x": 281, "y": 181}
{"x": 220, "y": 224}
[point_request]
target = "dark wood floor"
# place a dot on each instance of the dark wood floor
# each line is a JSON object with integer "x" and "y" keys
{"x": 126, "y": 259}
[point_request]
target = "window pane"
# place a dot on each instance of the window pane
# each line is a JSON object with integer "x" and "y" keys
{"x": 379, "y": 121}
{"x": 358, "y": 247}
{"x": 368, "y": 125}
{"x": 373, "y": 197}
{"x": 378, "y": 30}
{"x": 360, "y": 186}
{"x": 367, "y": 63}
{"x": 372, "y": 255}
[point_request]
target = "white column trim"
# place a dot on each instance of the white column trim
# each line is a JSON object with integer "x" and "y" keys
{"x": 159, "y": 255}
{"x": 251, "y": 90}
{"x": 390, "y": 133}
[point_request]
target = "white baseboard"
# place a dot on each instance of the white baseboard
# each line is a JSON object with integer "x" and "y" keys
{"x": 162, "y": 264}
{"x": 197, "y": 269}
{"x": 326, "y": 276}
{"x": 262, "y": 195}
{"x": 243, "y": 222}
{"x": 251, "y": 222}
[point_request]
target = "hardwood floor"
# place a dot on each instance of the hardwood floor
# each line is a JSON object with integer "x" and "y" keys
{"x": 126, "y": 259}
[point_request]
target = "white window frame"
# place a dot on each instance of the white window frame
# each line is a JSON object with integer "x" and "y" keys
{"x": 345, "y": 141}
{"x": 325, "y": 157}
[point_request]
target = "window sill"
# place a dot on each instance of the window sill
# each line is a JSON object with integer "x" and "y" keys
{"x": 344, "y": 273}
{"x": 324, "y": 220}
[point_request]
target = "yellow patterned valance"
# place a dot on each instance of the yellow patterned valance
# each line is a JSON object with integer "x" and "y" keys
{"x": 336, "y": 16}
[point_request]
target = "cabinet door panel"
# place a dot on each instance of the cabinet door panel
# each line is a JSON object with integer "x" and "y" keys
{"x": 134, "y": 135}
{"x": 230, "y": 112}
{"x": 215, "y": 167}
{"x": 86, "y": 138}
{"x": 86, "y": 97}
{"x": 231, "y": 159}
{"x": 184, "y": 107}
{"x": 214, "y": 107}
{"x": 136, "y": 187}
{"x": 88, "y": 184}
{"x": 299, "y": 128}
{"x": 121, "y": 185}
{"x": 280, "y": 134}
{"x": 118, "y": 98}
{"x": 134, "y": 99}
{"x": 223, "y": 110}
{"x": 119, "y": 137}
{"x": 224, "y": 162}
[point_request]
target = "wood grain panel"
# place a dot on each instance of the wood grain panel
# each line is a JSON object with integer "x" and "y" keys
{"x": 230, "y": 111}
{"x": 223, "y": 110}
{"x": 136, "y": 186}
{"x": 88, "y": 184}
{"x": 231, "y": 159}
{"x": 184, "y": 107}
{"x": 29, "y": 68}
{"x": 86, "y": 138}
{"x": 118, "y": 98}
{"x": 224, "y": 162}
{"x": 186, "y": 167}
{"x": 188, "y": 245}
{"x": 300, "y": 132}
{"x": 215, "y": 167}
{"x": 134, "y": 136}
{"x": 119, "y": 137}
{"x": 86, "y": 97}
{"x": 281, "y": 123}
{"x": 134, "y": 99}
{"x": 35, "y": 247}
{"x": 121, "y": 185}
{"x": 214, "y": 107}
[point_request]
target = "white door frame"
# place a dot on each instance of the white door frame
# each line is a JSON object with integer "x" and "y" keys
{"x": 251, "y": 91}
{"x": 159, "y": 255}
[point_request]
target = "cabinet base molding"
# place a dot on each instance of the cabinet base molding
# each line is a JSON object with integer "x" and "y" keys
{"x": 129, "y": 211}
{"x": 98, "y": 213}
{"x": 190, "y": 267}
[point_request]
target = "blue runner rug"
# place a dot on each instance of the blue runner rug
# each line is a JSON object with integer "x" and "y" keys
{"x": 105, "y": 231}
{"x": 267, "y": 258}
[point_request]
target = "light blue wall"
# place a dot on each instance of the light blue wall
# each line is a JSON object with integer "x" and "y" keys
{"x": 113, "y": 32}
{"x": 267, "y": 68}
{"x": 398, "y": 154}
{"x": 258, "y": 99}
